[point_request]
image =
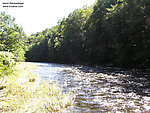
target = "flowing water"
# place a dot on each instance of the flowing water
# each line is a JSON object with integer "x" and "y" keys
{"x": 100, "y": 89}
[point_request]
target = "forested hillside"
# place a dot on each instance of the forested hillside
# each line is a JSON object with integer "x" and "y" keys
{"x": 114, "y": 32}
{"x": 110, "y": 32}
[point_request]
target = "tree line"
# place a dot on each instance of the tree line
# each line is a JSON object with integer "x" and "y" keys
{"x": 109, "y": 32}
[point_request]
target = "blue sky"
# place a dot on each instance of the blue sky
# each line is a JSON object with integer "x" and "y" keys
{"x": 37, "y": 15}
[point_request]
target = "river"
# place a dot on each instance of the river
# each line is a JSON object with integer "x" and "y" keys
{"x": 100, "y": 89}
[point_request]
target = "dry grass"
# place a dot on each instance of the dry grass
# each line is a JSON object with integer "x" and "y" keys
{"x": 21, "y": 92}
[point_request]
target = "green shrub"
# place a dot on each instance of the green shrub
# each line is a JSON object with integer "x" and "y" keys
{"x": 7, "y": 60}
{"x": 19, "y": 54}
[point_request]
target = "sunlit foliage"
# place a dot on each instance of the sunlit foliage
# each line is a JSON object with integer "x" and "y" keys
{"x": 112, "y": 32}
{"x": 12, "y": 36}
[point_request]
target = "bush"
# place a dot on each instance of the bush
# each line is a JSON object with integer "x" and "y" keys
{"x": 7, "y": 60}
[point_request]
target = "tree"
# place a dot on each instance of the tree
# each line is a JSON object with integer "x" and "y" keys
{"x": 11, "y": 36}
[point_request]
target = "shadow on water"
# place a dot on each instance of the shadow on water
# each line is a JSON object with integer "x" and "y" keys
{"x": 135, "y": 80}
{"x": 100, "y": 89}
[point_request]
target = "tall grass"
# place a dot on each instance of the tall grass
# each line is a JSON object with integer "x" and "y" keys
{"x": 21, "y": 92}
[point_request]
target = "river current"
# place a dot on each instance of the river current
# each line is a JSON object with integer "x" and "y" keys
{"x": 100, "y": 89}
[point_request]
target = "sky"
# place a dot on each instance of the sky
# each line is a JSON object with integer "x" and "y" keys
{"x": 37, "y": 15}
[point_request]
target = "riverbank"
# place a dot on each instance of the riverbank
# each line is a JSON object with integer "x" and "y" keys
{"x": 21, "y": 92}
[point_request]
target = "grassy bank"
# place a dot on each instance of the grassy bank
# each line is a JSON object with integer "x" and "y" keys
{"x": 22, "y": 92}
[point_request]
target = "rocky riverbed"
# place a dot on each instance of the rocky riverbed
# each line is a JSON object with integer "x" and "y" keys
{"x": 101, "y": 89}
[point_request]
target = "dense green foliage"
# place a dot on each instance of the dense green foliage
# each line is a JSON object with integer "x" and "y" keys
{"x": 12, "y": 36}
{"x": 63, "y": 43}
{"x": 12, "y": 40}
{"x": 112, "y": 32}
{"x": 6, "y": 63}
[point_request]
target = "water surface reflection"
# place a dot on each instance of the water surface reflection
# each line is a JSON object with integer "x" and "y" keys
{"x": 101, "y": 89}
